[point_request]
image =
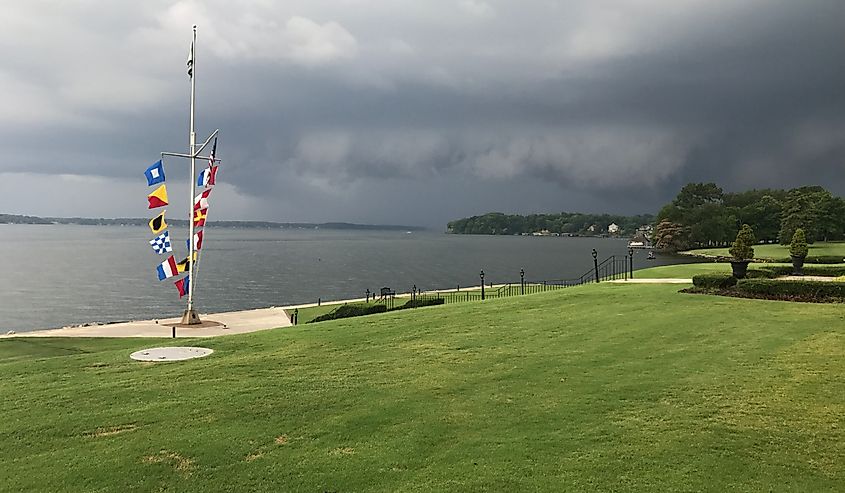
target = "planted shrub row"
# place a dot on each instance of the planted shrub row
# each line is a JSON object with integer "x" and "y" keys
{"x": 346, "y": 311}
{"x": 789, "y": 289}
{"x": 813, "y": 259}
{"x": 809, "y": 270}
{"x": 713, "y": 281}
{"x": 420, "y": 302}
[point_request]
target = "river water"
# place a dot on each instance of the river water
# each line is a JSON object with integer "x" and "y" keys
{"x": 59, "y": 275}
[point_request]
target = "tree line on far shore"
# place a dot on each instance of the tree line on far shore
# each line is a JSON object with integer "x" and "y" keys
{"x": 703, "y": 215}
{"x": 564, "y": 223}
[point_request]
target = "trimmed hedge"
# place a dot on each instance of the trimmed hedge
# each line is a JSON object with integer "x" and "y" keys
{"x": 713, "y": 281}
{"x": 812, "y": 259}
{"x": 809, "y": 270}
{"x": 420, "y": 302}
{"x": 789, "y": 289}
{"x": 762, "y": 273}
{"x": 346, "y": 311}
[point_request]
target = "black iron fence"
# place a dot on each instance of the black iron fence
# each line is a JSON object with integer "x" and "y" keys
{"x": 611, "y": 268}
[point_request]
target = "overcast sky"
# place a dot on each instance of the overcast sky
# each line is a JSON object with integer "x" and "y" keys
{"x": 418, "y": 112}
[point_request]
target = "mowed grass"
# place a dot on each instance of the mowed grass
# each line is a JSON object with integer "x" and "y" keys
{"x": 308, "y": 314}
{"x": 597, "y": 388}
{"x": 830, "y": 248}
{"x": 683, "y": 271}
{"x": 686, "y": 271}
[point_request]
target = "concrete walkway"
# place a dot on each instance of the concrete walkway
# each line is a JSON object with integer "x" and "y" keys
{"x": 229, "y": 323}
{"x": 653, "y": 281}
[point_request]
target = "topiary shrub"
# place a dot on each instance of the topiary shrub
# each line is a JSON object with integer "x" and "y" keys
{"x": 742, "y": 248}
{"x": 713, "y": 281}
{"x": 346, "y": 311}
{"x": 798, "y": 245}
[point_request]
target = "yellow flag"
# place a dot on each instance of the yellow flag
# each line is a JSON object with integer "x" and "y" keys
{"x": 158, "y": 198}
{"x": 158, "y": 224}
{"x": 185, "y": 264}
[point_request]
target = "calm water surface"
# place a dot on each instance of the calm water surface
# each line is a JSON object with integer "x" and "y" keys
{"x": 59, "y": 275}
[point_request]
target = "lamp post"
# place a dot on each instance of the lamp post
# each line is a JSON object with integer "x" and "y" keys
{"x": 522, "y": 281}
{"x": 368, "y": 295}
{"x": 482, "y": 284}
{"x": 414, "y": 292}
{"x": 631, "y": 262}
{"x": 596, "y": 263}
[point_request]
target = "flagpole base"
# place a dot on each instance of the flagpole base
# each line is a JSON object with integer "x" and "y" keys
{"x": 190, "y": 317}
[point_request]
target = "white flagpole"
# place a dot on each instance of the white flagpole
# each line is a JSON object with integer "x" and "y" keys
{"x": 190, "y": 316}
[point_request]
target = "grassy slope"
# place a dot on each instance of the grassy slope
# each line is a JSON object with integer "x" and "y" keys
{"x": 598, "y": 388}
{"x": 681, "y": 271}
{"x": 781, "y": 251}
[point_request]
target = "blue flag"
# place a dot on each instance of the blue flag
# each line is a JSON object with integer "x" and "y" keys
{"x": 161, "y": 243}
{"x": 155, "y": 173}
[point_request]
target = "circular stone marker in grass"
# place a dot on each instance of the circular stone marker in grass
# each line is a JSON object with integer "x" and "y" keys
{"x": 170, "y": 353}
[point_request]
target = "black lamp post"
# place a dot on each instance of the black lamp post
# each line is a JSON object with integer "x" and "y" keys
{"x": 631, "y": 262}
{"x": 368, "y": 295}
{"x": 596, "y": 263}
{"x": 414, "y": 292}
{"x": 482, "y": 284}
{"x": 522, "y": 281}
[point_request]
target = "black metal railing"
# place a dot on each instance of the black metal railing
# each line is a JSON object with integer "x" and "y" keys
{"x": 611, "y": 268}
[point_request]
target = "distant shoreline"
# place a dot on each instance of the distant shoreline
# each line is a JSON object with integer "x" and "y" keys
{"x": 132, "y": 221}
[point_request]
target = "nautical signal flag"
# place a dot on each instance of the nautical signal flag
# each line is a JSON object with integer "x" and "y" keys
{"x": 158, "y": 198}
{"x": 201, "y": 200}
{"x": 197, "y": 242}
{"x": 155, "y": 173}
{"x": 191, "y": 61}
{"x": 213, "y": 153}
{"x": 161, "y": 243}
{"x": 158, "y": 224}
{"x": 207, "y": 177}
{"x": 182, "y": 285}
{"x": 185, "y": 264}
{"x": 168, "y": 268}
{"x": 199, "y": 216}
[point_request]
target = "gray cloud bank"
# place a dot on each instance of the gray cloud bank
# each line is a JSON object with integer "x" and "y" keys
{"x": 420, "y": 112}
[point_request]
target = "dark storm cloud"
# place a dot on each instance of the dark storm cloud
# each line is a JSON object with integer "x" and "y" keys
{"x": 344, "y": 110}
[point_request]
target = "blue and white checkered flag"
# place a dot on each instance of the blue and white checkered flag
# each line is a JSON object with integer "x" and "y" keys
{"x": 161, "y": 243}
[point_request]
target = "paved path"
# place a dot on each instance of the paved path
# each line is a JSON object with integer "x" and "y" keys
{"x": 653, "y": 281}
{"x": 231, "y": 323}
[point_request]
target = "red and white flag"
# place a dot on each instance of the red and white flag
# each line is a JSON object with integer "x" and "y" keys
{"x": 198, "y": 241}
{"x": 201, "y": 200}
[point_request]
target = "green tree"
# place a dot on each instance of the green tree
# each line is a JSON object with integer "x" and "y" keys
{"x": 700, "y": 209}
{"x": 670, "y": 237}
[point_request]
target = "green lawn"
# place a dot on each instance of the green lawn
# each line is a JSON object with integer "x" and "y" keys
{"x": 780, "y": 251}
{"x": 598, "y": 388}
{"x": 308, "y": 314}
{"x": 682, "y": 271}
{"x": 312, "y": 312}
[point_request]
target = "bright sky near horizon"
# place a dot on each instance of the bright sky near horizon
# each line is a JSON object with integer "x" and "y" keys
{"x": 419, "y": 112}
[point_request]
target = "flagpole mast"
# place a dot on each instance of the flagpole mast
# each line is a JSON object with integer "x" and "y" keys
{"x": 191, "y": 316}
